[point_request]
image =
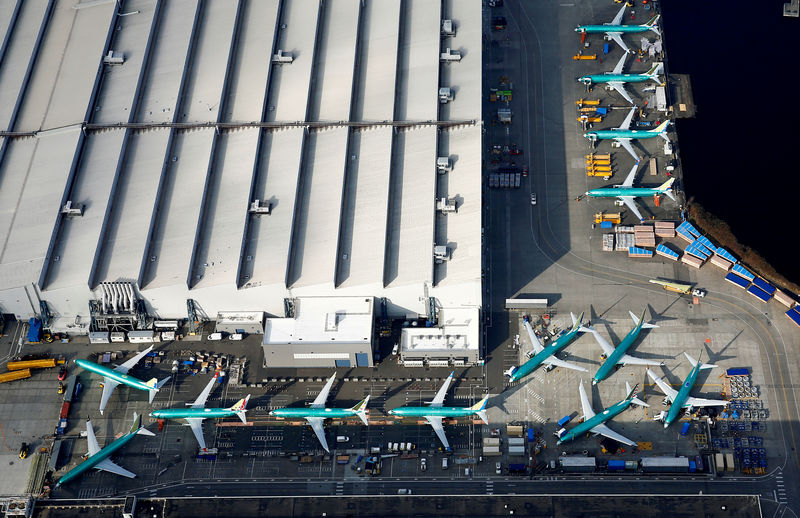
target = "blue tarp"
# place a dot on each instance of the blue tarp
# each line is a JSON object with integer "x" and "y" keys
{"x": 764, "y": 285}
{"x": 707, "y": 243}
{"x": 758, "y": 292}
{"x": 34, "y": 330}
{"x": 735, "y": 279}
{"x": 737, "y": 371}
{"x": 794, "y": 315}
{"x": 697, "y": 252}
{"x": 726, "y": 255}
{"x": 639, "y": 252}
{"x": 667, "y": 250}
{"x": 687, "y": 227}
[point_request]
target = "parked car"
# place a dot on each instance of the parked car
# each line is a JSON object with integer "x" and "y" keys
{"x": 533, "y": 198}
{"x": 498, "y": 468}
{"x": 423, "y": 464}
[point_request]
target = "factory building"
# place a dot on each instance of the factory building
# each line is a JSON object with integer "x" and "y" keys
{"x": 164, "y": 159}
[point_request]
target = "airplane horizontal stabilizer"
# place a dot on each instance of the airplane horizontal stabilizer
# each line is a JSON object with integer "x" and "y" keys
{"x": 361, "y": 410}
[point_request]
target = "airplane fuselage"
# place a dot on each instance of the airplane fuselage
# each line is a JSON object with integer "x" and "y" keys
{"x": 681, "y": 396}
{"x": 615, "y": 78}
{"x": 325, "y": 413}
{"x": 586, "y": 426}
{"x": 613, "y": 359}
{"x": 192, "y": 413}
{"x": 620, "y": 134}
{"x": 616, "y": 192}
{"x": 531, "y": 365}
{"x": 114, "y": 375}
{"x": 95, "y": 459}
{"x": 432, "y": 411}
{"x": 627, "y": 29}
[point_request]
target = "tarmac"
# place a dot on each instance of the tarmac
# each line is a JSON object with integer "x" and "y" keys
{"x": 545, "y": 250}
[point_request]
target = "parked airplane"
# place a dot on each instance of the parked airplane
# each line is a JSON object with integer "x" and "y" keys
{"x": 197, "y": 412}
{"x": 99, "y": 458}
{"x": 626, "y": 192}
{"x": 113, "y": 377}
{"x": 317, "y": 413}
{"x": 616, "y": 356}
{"x": 435, "y": 412}
{"x": 615, "y": 30}
{"x": 547, "y": 355}
{"x": 595, "y": 423}
{"x": 623, "y": 135}
{"x": 681, "y": 399}
{"x": 616, "y": 79}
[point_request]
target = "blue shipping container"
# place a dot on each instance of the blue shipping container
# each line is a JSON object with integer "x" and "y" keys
{"x": 692, "y": 466}
{"x": 530, "y": 434}
{"x": 738, "y": 371}
{"x": 605, "y": 224}
{"x": 34, "y": 330}
{"x": 685, "y": 428}
{"x": 601, "y": 111}
{"x": 564, "y": 420}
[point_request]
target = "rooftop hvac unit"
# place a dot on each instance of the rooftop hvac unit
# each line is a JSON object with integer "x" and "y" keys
{"x": 448, "y": 29}
{"x": 72, "y": 210}
{"x": 438, "y": 363}
{"x": 445, "y": 205}
{"x": 281, "y": 58}
{"x": 441, "y": 254}
{"x": 443, "y": 164}
{"x": 260, "y": 207}
{"x": 412, "y": 363}
{"x": 445, "y": 95}
{"x": 450, "y": 55}
{"x": 111, "y": 59}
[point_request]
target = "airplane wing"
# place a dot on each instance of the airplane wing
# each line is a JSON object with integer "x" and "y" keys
{"x": 632, "y": 360}
{"x": 620, "y": 65}
{"x": 322, "y": 397}
{"x": 316, "y": 425}
{"x": 196, "y": 424}
{"x": 128, "y": 365}
{"x": 618, "y": 18}
{"x": 631, "y": 176}
{"x": 696, "y": 402}
{"x": 665, "y": 388}
{"x": 586, "y": 406}
{"x": 108, "y": 388}
{"x": 602, "y": 342}
{"x": 628, "y": 201}
{"x": 200, "y": 402}
{"x": 107, "y": 465}
{"x": 605, "y": 431}
{"x": 436, "y": 423}
{"x": 555, "y": 362}
{"x": 626, "y": 124}
{"x": 626, "y": 143}
{"x": 537, "y": 345}
{"x": 439, "y": 399}
{"x": 617, "y": 36}
{"x": 94, "y": 447}
{"x": 620, "y": 88}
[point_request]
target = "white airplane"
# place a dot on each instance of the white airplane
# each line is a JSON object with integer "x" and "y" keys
{"x": 681, "y": 399}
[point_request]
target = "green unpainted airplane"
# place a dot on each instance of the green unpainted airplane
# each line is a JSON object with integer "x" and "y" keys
{"x": 197, "y": 411}
{"x": 99, "y": 458}
{"x": 626, "y": 192}
{"x": 616, "y": 355}
{"x": 623, "y": 135}
{"x": 615, "y": 29}
{"x": 317, "y": 413}
{"x": 595, "y": 423}
{"x": 547, "y": 355}
{"x": 435, "y": 412}
{"x": 119, "y": 375}
{"x": 616, "y": 79}
{"x": 681, "y": 399}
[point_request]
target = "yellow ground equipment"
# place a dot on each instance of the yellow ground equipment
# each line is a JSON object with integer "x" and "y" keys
{"x": 15, "y": 375}
{"x": 584, "y": 57}
{"x": 613, "y": 217}
{"x": 588, "y": 102}
{"x": 32, "y": 364}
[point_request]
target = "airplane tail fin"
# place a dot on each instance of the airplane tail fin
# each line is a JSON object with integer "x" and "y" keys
{"x": 241, "y": 408}
{"x": 577, "y": 323}
{"x": 632, "y": 395}
{"x": 696, "y": 362}
{"x": 361, "y": 410}
{"x": 652, "y": 24}
{"x": 137, "y": 428}
{"x": 155, "y": 386}
{"x": 666, "y": 188}
{"x": 636, "y": 321}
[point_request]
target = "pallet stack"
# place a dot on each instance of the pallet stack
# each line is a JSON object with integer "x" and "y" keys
{"x": 644, "y": 235}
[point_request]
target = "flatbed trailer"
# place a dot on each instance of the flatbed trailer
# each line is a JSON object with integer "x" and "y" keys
{"x": 32, "y": 364}
{"x": 15, "y": 375}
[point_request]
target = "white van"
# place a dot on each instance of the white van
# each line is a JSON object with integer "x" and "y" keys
{"x": 444, "y": 463}
{"x": 342, "y": 438}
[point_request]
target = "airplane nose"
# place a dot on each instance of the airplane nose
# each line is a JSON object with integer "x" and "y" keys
{"x": 666, "y": 424}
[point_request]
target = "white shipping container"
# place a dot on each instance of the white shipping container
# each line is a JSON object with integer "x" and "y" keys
{"x": 516, "y": 450}
{"x": 117, "y": 337}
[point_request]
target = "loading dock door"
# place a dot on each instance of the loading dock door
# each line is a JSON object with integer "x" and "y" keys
{"x": 362, "y": 360}
{"x": 342, "y": 363}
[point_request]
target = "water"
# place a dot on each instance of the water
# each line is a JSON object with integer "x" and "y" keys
{"x": 741, "y": 153}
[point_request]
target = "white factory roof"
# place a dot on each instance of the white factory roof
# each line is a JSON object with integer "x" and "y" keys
{"x": 161, "y": 147}
{"x": 323, "y": 319}
{"x": 457, "y": 332}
